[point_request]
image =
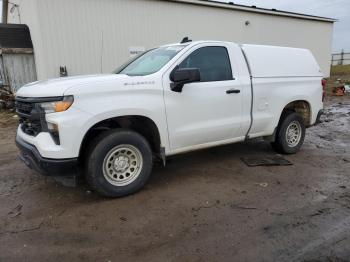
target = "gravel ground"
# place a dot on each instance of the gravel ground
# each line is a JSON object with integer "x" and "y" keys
{"x": 203, "y": 206}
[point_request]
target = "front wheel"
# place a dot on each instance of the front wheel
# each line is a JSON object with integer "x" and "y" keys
{"x": 119, "y": 164}
{"x": 290, "y": 134}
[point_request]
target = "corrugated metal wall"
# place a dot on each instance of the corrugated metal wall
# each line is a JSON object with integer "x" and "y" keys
{"x": 93, "y": 36}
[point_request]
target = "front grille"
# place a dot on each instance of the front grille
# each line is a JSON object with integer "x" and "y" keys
{"x": 24, "y": 107}
{"x": 31, "y": 116}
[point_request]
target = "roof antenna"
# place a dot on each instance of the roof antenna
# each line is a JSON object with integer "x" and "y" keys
{"x": 185, "y": 40}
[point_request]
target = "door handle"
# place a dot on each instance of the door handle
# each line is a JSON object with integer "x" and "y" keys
{"x": 233, "y": 91}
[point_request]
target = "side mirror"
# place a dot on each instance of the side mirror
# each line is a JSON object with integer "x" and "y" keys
{"x": 183, "y": 76}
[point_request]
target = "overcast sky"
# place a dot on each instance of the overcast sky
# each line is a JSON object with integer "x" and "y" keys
{"x": 338, "y": 9}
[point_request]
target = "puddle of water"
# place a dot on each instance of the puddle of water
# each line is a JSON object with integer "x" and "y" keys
{"x": 338, "y": 109}
{"x": 333, "y": 133}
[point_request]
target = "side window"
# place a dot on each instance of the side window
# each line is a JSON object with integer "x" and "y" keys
{"x": 213, "y": 62}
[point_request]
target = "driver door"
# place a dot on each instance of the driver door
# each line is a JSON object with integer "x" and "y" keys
{"x": 206, "y": 112}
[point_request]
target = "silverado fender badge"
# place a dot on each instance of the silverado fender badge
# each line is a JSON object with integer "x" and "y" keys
{"x": 140, "y": 83}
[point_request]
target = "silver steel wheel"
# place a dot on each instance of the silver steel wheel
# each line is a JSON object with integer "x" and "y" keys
{"x": 122, "y": 165}
{"x": 293, "y": 133}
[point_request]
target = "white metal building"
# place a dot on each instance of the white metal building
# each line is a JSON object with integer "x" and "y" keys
{"x": 94, "y": 36}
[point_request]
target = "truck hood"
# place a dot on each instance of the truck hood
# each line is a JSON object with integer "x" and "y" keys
{"x": 58, "y": 86}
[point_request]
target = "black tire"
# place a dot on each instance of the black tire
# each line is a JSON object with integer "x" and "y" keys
{"x": 281, "y": 144}
{"x": 99, "y": 150}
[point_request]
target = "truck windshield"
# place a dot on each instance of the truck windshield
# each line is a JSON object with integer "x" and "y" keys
{"x": 150, "y": 61}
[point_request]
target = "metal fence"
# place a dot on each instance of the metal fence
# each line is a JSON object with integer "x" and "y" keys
{"x": 341, "y": 58}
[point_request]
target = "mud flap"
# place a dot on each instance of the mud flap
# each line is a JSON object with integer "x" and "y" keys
{"x": 318, "y": 118}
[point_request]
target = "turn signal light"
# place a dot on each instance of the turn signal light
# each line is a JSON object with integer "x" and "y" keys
{"x": 62, "y": 105}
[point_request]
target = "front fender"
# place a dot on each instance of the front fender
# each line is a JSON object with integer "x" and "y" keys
{"x": 148, "y": 104}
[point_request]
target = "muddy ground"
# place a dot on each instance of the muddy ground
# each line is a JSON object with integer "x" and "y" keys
{"x": 203, "y": 206}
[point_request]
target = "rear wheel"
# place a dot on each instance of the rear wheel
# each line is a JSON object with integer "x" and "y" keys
{"x": 119, "y": 163}
{"x": 290, "y": 134}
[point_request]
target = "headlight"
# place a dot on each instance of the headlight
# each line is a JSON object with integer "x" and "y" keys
{"x": 57, "y": 106}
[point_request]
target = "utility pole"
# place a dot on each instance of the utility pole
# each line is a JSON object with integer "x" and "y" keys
{"x": 5, "y": 6}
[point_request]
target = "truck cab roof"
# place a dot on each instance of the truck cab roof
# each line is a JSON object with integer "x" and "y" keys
{"x": 272, "y": 61}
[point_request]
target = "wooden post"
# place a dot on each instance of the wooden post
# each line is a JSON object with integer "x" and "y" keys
{"x": 342, "y": 57}
{"x": 5, "y": 6}
{"x": 332, "y": 60}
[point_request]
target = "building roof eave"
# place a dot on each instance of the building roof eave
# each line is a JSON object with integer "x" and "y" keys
{"x": 255, "y": 9}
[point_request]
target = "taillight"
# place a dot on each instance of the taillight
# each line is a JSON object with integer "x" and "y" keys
{"x": 324, "y": 82}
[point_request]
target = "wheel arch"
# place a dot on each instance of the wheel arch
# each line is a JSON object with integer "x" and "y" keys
{"x": 300, "y": 106}
{"x": 143, "y": 125}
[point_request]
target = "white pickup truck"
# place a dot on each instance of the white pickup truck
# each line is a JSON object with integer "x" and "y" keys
{"x": 169, "y": 100}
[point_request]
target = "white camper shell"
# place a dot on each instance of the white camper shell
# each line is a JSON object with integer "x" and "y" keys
{"x": 276, "y": 61}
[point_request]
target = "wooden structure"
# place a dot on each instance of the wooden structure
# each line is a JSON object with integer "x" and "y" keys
{"x": 17, "y": 64}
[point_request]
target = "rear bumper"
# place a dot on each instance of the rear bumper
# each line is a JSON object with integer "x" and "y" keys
{"x": 45, "y": 166}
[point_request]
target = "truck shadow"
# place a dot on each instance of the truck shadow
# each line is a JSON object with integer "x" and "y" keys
{"x": 209, "y": 162}
{"x": 212, "y": 163}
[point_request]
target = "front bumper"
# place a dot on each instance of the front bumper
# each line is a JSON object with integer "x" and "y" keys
{"x": 46, "y": 166}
